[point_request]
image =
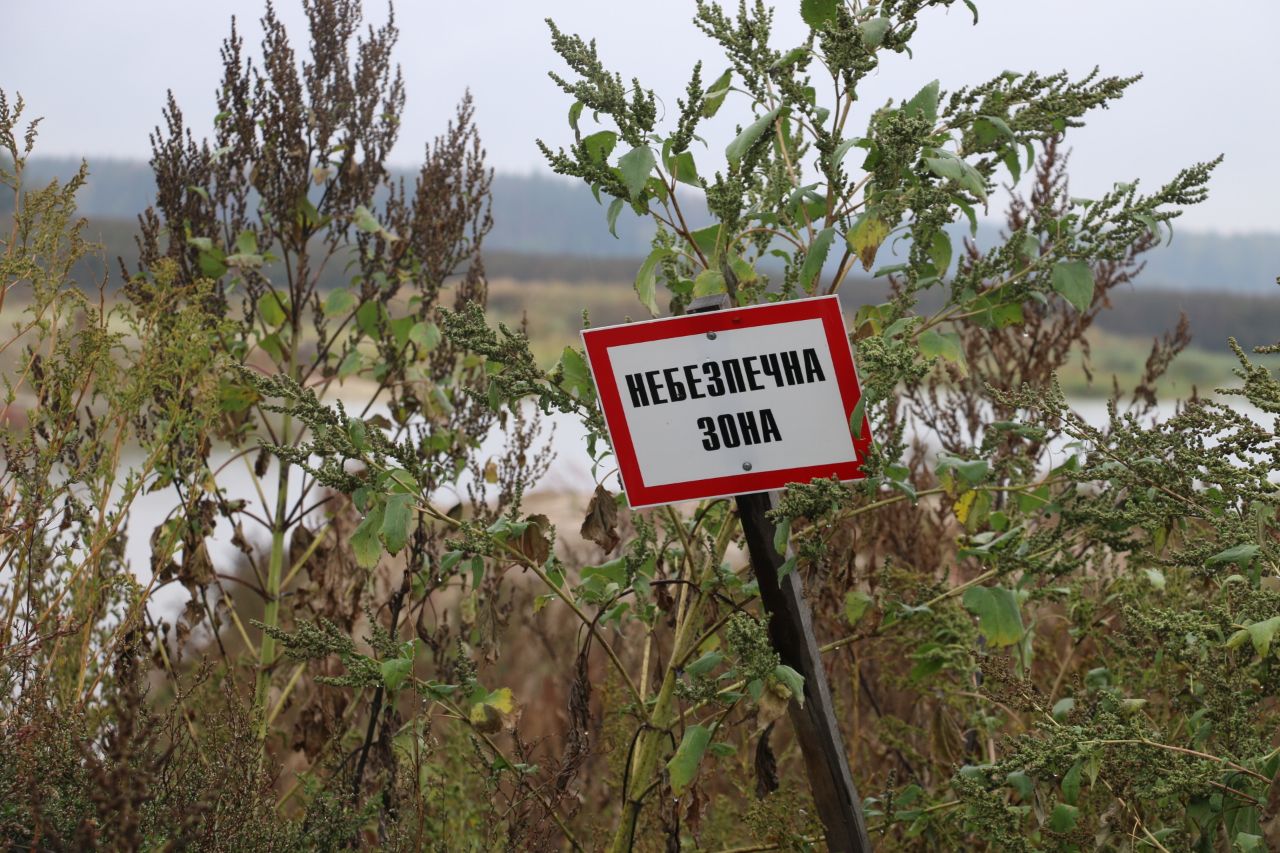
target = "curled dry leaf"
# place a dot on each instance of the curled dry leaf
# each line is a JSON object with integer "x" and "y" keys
{"x": 533, "y": 542}
{"x": 197, "y": 568}
{"x": 601, "y": 524}
{"x": 766, "y": 765}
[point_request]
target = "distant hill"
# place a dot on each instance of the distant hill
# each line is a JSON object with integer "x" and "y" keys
{"x": 550, "y": 216}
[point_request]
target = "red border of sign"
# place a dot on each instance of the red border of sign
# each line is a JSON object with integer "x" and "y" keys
{"x": 598, "y": 342}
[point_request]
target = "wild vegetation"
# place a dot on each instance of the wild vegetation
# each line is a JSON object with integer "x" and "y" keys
{"x": 1040, "y": 633}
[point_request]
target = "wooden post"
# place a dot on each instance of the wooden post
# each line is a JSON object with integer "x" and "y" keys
{"x": 791, "y": 632}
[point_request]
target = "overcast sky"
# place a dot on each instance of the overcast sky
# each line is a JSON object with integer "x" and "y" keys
{"x": 98, "y": 72}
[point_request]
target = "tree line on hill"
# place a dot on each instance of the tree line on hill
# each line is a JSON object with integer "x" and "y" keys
{"x": 1191, "y": 261}
{"x": 1224, "y": 284}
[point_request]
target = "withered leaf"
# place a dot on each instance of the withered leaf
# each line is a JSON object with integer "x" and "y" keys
{"x": 533, "y": 543}
{"x": 196, "y": 569}
{"x": 601, "y": 524}
{"x": 766, "y": 765}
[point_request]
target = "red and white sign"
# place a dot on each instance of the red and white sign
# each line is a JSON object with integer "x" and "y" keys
{"x": 729, "y": 402}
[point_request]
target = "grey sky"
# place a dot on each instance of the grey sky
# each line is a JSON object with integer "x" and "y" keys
{"x": 98, "y": 72}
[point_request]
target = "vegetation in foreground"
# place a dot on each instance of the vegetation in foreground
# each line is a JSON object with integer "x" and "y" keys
{"x": 1029, "y": 649}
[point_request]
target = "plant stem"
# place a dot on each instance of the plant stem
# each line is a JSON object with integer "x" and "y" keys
{"x": 275, "y": 570}
{"x": 649, "y": 742}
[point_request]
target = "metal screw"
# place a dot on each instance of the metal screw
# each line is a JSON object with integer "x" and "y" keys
{"x": 746, "y": 466}
{"x": 711, "y": 336}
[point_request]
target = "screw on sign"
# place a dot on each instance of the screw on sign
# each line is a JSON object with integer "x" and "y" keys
{"x": 740, "y": 402}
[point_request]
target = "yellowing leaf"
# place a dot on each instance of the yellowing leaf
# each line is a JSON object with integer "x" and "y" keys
{"x": 865, "y": 237}
{"x": 964, "y": 505}
{"x": 999, "y": 616}
{"x": 708, "y": 283}
{"x": 502, "y": 700}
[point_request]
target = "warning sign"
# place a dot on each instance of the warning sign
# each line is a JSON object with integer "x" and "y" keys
{"x": 729, "y": 402}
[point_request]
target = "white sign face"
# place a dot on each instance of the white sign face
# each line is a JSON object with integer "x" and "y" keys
{"x": 729, "y": 402}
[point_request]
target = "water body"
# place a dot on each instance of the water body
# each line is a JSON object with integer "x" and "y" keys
{"x": 571, "y": 472}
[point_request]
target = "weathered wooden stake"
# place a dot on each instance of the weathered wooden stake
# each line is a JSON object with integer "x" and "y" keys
{"x": 791, "y": 632}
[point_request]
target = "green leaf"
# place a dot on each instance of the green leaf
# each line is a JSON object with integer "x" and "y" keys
{"x": 339, "y": 303}
{"x": 1071, "y": 784}
{"x": 271, "y": 310}
{"x": 936, "y": 345}
{"x": 949, "y": 166}
{"x": 1074, "y": 280}
{"x": 683, "y": 766}
{"x": 636, "y": 166}
{"x": 212, "y": 262}
{"x": 999, "y": 617}
{"x": 577, "y": 376}
{"x": 426, "y": 335}
{"x": 856, "y": 603}
{"x": 365, "y": 543}
{"x": 990, "y": 128}
{"x": 972, "y": 471}
{"x": 306, "y": 210}
{"x": 246, "y": 243}
{"x": 781, "y": 535}
{"x": 364, "y": 219}
{"x": 234, "y": 397}
{"x": 647, "y": 279}
{"x": 857, "y": 418}
{"x": 815, "y": 257}
{"x": 714, "y": 97}
{"x": 1156, "y": 577}
{"x": 1241, "y": 555}
{"x": 792, "y": 679}
{"x": 708, "y": 242}
{"x": 791, "y": 57}
{"x": 843, "y": 148}
{"x": 351, "y": 363}
{"x": 1021, "y": 782}
{"x": 1247, "y": 842}
{"x": 685, "y": 170}
{"x": 787, "y": 567}
{"x": 368, "y": 317}
{"x": 738, "y": 148}
{"x": 615, "y": 208}
{"x": 1064, "y": 817}
{"x": 395, "y": 671}
{"x": 872, "y": 32}
{"x": 600, "y": 145}
{"x": 925, "y": 102}
{"x": 940, "y": 252}
{"x": 818, "y": 12}
{"x": 709, "y": 283}
{"x": 1259, "y": 633}
{"x": 1062, "y": 708}
{"x": 397, "y": 519}
{"x": 400, "y": 328}
{"x": 704, "y": 664}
